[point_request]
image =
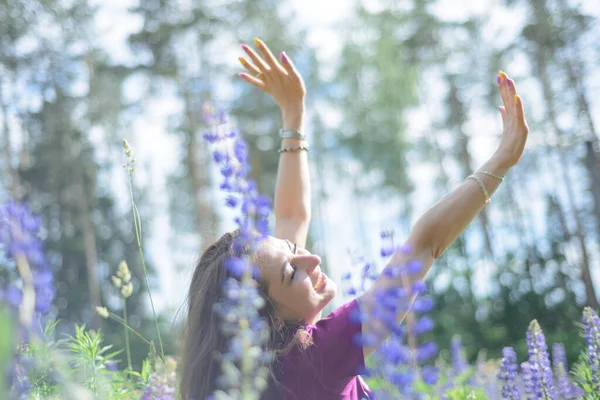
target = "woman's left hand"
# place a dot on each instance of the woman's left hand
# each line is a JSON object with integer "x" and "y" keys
{"x": 279, "y": 79}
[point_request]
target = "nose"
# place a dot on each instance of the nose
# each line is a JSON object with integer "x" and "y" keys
{"x": 307, "y": 262}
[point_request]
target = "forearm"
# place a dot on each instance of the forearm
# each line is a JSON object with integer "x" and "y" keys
{"x": 292, "y": 189}
{"x": 435, "y": 231}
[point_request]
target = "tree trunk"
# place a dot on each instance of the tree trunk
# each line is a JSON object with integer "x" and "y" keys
{"x": 12, "y": 175}
{"x": 89, "y": 236}
{"x": 540, "y": 63}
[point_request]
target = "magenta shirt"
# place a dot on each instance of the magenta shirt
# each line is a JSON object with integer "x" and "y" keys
{"x": 328, "y": 369}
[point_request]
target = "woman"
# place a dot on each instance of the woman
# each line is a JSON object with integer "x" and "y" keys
{"x": 317, "y": 358}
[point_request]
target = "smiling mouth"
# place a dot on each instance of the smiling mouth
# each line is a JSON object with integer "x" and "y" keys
{"x": 320, "y": 282}
{"x": 316, "y": 285}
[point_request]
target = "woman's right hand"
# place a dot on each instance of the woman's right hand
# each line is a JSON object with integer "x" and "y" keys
{"x": 514, "y": 125}
{"x": 279, "y": 79}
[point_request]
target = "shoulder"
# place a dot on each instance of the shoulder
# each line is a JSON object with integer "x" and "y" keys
{"x": 339, "y": 328}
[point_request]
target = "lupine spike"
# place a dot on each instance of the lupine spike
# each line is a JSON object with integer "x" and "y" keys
{"x": 539, "y": 363}
{"x": 508, "y": 374}
{"x": 591, "y": 324}
{"x": 244, "y": 365}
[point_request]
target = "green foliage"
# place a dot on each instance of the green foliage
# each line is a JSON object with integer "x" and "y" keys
{"x": 582, "y": 374}
{"x": 465, "y": 393}
{"x": 90, "y": 356}
{"x": 6, "y": 346}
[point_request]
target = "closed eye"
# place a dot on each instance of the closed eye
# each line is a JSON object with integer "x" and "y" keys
{"x": 294, "y": 269}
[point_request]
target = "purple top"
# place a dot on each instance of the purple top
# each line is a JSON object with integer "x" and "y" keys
{"x": 327, "y": 369}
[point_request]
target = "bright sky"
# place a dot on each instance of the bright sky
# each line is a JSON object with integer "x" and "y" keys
{"x": 158, "y": 152}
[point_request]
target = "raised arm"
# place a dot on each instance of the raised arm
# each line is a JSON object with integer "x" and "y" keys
{"x": 281, "y": 80}
{"x": 444, "y": 221}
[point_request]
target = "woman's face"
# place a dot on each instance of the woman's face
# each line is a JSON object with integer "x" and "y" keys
{"x": 296, "y": 284}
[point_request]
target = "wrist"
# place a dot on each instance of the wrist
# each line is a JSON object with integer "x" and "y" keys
{"x": 293, "y": 119}
{"x": 498, "y": 165}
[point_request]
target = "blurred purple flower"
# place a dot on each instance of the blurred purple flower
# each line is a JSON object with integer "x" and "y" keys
{"x": 19, "y": 236}
{"x": 245, "y": 359}
{"x": 459, "y": 364}
{"x": 161, "y": 385}
{"x": 566, "y": 389}
{"x": 508, "y": 373}
{"x": 423, "y": 325}
{"x": 591, "y": 330}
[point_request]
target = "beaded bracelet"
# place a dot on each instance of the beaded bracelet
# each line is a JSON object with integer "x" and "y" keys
{"x": 490, "y": 174}
{"x": 290, "y": 149}
{"x": 482, "y": 186}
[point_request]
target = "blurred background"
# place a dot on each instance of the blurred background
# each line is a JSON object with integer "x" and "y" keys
{"x": 402, "y": 102}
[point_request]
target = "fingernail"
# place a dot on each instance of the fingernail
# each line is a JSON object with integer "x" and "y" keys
{"x": 517, "y": 98}
{"x": 498, "y": 79}
{"x": 257, "y": 42}
{"x": 502, "y": 76}
{"x": 508, "y": 82}
{"x": 242, "y": 61}
{"x": 241, "y": 74}
{"x": 244, "y": 47}
{"x": 499, "y": 109}
{"x": 284, "y": 57}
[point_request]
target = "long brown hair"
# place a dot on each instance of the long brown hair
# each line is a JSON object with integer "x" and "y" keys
{"x": 203, "y": 341}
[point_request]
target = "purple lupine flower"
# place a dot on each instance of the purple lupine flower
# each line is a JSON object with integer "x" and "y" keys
{"x": 539, "y": 363}
{"x": 528, "y": 378}
{"x": 19, "y": 237}
{"x": 459, "y": 364}
{"x": 245, "y": 362}
{"x": 591, "y": 329}
{"x": 162, "y": 383}
{"x": 396, "y": 360}
{"x": 508, "y": 374}
{"x": 566, "y": 389}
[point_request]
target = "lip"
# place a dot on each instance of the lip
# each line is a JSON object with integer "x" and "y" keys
{"x": 321, "y": 282}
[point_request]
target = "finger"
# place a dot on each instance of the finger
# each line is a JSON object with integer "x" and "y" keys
{"x": 288, "y": 65}
{"x": 251, "y": 68}
{"x": 501, "y": 79}
{"x": 520, "y": 113}
{"x": 256, "y": 59}
{"x": 512, "y": 91}
{"x": 266, "y": 53}
{"x": 503, "y": 113}
{"x": 252, "y": 80}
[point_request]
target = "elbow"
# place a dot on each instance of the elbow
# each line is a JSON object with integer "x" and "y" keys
{"x": 302, "y": 215}
{"x": 296, "y": 218}
{"x": 436, "y": 252}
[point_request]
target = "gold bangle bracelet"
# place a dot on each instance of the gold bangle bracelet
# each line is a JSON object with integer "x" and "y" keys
{"x": 489, "y": 174}
{"x": 482, "y": 186}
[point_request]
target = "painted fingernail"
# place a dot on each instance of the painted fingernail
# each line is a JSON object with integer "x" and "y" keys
{"x": 241, "y": 74}
{"x": 257, "y": 42}
{"x": 517, "y": 98}
{"x": 498, "y": 79}
{"x": 244, "y": 47}
{"x": 502, "y": 76}
{"x": 500, "y": 109}
{"x": 284, "y": 57}
{"x": 508, "y": 82}
{"x": 242, "y": 61}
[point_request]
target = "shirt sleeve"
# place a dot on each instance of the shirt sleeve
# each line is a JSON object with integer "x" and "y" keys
{"x": 335, "y": 345}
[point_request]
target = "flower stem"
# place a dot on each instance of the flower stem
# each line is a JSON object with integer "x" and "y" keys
{"x": 127, "y": 348}
{"x": 138, "y": 235}
{"x": 120, "y": 320}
